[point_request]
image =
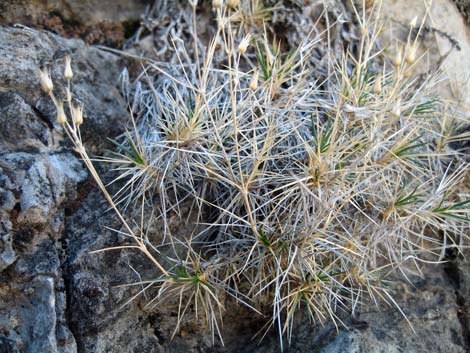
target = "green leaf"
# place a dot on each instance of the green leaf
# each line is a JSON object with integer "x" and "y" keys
{"x": 132, "y": 152}
{"x": 322, "y": 138}
{"x": 406, "y": 150}
{"x": 264, "y": 239}
{"x": 424, "y": 108}
{"x": 408, "y": 199}
{"x": 447, "y": 210}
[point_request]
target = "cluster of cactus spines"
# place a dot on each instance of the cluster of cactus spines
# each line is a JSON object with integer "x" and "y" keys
{"x": 307, "y": 193}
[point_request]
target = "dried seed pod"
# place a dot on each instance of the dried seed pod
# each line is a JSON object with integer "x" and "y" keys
{"x": 68, "y": 73}
{"x": 61, "y": 117}
{"x": 411, "y": 54}
{"x": 77, "y": 115}
{"x": 217, "y": 4}
{"x": 243, "y": 46}
{"x": 233, "y": 3}
{"x": 398, "y": 59}
{"x": 46, "y": 81}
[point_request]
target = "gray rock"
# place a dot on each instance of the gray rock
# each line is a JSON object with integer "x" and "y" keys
{"x": 7, "y": 254}
{"x": 7, "y": 202}
{"x": 41, "y": 179}
{"x": 31, "y": 323}
{"x": 20, "y": 128}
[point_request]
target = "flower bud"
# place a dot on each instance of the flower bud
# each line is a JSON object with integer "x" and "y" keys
{"x": 414, "y": 22}
{"x": 68, "y": 74}
{"x": 233, "y": 3}
{"x": 243, "y": 46}
{"x": 378, "y": 84}
{"x": 77, "y": 115}
{"x": 61, "y": 117}
{"x": 217, "y": 4}
{"x": 254, "y": 81}
{"x": 46, "y": 81}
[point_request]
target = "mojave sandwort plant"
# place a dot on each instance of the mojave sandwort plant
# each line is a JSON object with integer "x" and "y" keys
{"x": 308, "y": 189}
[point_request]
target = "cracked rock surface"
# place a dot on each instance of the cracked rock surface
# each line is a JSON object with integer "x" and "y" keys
{"x": 57, "y": 297}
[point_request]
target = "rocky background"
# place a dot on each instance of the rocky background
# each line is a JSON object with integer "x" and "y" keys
{"x": 56, "y": 297}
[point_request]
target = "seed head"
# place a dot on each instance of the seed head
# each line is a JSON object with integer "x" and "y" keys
{"x": 414, "y": 22}
{"x": 243, "y": 46}
{"x": 397, "y": 61}
{"x": 61, "y": 117}
{"x": 410, "y": 56}
{"x": 254, "y": 81}
{"x": 217, "y": 4}
{"x": 46, "y": 81}
{"x": 233, "y": 3}
{"x": 68, "y": 74}
{"x": 77, "y": 115}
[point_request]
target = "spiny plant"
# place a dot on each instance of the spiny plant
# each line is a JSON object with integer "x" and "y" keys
{"x": 310, "y": 185}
